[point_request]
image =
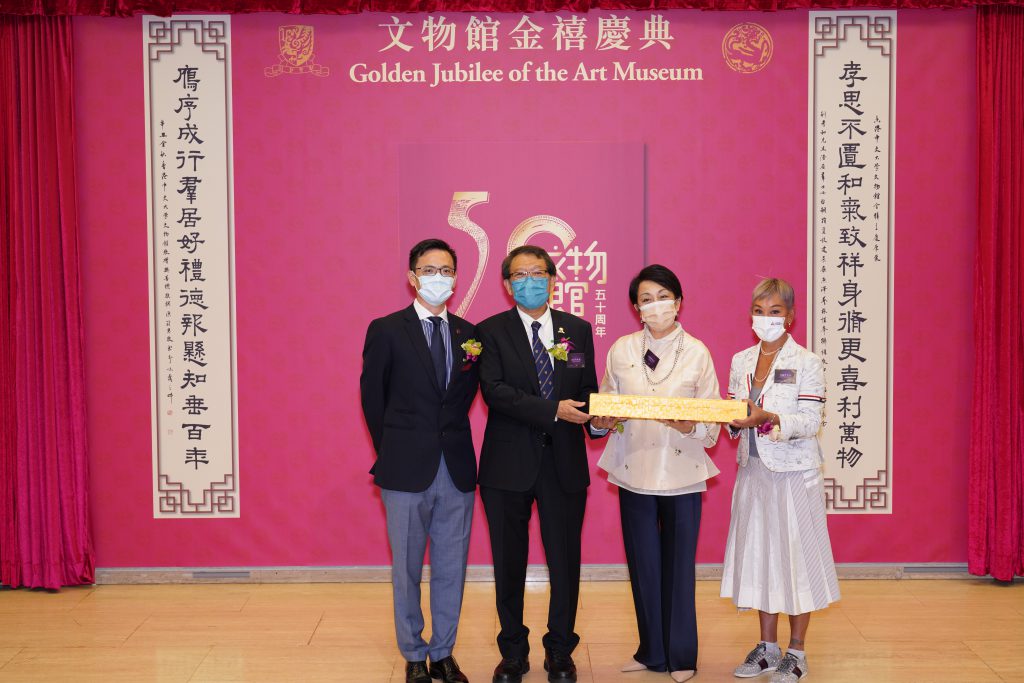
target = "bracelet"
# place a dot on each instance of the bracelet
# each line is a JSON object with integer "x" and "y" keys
{"x": 692, "y": 431}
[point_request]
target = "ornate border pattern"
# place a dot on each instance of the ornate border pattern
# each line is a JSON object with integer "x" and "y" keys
{"x": 211, "y": 36}
{"x": 176, "y": 499}
{"x": 875, "y": 31}
{"x": 871, "y": 494}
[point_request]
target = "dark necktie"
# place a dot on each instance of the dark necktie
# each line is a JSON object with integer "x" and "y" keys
{"x": 437, "y": 353}
{"x": 542, "y": 360}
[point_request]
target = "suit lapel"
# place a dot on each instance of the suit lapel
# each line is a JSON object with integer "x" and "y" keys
{"x": 750, "y": 367}
{"x": 458, "y": 337}
{"x": 517, "y": 333}
{"x": 780, "y": 360}
{"x": 414, "y": 329}
{"x": 559, "y": 321}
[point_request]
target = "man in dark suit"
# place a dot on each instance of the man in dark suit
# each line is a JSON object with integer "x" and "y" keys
{"x": 536, "y": 375}
{"x": 417, "y": 386}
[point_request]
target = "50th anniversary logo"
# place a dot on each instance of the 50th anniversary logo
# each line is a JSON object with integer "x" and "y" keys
{"x": 746, "y": 48}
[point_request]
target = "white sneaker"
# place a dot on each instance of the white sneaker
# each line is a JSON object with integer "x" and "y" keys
{"x": 760, "y": 660}
{"x": 790, "y": 670}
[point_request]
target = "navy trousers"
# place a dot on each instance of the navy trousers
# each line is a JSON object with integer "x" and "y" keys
{"x": 660, "y": 535}
{"x": 561, "y": 525}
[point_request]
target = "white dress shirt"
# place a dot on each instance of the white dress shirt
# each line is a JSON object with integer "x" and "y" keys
{"x": 428, "y": 330}
{"x": 546, "y": 332}
{"x": 423, "y": 313}
{"x": 650, "y": 457}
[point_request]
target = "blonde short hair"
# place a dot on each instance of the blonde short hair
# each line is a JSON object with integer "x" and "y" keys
{"x": 770, "y": 286}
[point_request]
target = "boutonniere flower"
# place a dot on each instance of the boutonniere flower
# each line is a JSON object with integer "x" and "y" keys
{"x": 770, "y": 430}
{"x": 560, "y": 351}
{"x": 473, "y": 349}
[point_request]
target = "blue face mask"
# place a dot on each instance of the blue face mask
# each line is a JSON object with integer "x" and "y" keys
{"x": 531, "y": 292}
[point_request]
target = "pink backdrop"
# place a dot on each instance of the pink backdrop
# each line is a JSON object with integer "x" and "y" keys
{"x": 318, "y": 254}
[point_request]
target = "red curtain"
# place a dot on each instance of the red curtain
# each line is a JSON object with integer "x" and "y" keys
{"x": 45, "y": 541}
{"x": 996, "y": 525}
{"x": 125, "y": 8}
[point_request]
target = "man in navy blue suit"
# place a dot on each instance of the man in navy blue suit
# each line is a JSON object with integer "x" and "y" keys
{"x": 417, "y": 386}
{"x": 536, "y": 374}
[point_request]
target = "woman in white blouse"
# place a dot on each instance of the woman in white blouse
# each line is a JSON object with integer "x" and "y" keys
{"x": 778, "y": 558}
{"x": 660, "y": 468}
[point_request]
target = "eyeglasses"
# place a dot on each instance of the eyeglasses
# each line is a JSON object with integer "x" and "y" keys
{"x": 427, "y": 271}
{"x": 521, "y": 275}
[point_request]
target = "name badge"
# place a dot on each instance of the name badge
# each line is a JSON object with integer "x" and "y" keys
{"x": 785, "y": 376}
{"x": 576, "y": 361}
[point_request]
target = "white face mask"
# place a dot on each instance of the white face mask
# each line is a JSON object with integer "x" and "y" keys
{"x": 768, "y": 328}
{"x": 436, "y": 289}
{"x": 659, "y": 315}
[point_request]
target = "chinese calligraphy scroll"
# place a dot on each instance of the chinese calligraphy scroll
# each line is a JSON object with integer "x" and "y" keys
{"x": 191, "y": 266}
{"x": 850, "y": 230}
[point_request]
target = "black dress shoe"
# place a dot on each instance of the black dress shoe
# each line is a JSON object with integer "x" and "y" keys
{"x": 448, "y": 671}
{"x": 560, "y": 667}
{"x": 416, "y": 672}
{"x": 510, "y": 670}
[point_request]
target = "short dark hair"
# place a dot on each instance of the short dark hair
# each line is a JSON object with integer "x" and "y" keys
{"x": 659, "y": 275}
{"x": 432, "y": 244}
{"x": 506, "y": 265}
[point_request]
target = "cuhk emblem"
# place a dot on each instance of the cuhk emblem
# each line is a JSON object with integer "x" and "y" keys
{"x": 747, "y": 47}
{"x": 296, "y": 43}
{"x": 296, "y": 53}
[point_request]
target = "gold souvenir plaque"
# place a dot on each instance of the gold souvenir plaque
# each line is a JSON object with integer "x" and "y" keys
{"x": 667, "y": 408}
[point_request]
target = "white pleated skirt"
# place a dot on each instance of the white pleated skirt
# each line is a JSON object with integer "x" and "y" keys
{"x": 778, "y": 558}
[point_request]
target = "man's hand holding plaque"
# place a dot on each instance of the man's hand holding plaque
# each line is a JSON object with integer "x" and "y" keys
{"x": 607, "y": 421}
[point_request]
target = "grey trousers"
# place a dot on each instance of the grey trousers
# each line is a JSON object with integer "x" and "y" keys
{"x": 443, "y": 514}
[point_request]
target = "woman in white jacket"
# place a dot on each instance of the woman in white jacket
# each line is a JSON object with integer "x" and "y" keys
{"x": 661, "y": 470}
{"x": 778, "y": 558}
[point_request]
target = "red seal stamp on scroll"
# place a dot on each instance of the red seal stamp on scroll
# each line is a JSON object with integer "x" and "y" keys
{"x": 747, "y": 47}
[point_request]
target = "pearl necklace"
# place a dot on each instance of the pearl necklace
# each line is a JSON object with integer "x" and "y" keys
{"x": 760, "y": 380}
{"x": 675, "y": 360}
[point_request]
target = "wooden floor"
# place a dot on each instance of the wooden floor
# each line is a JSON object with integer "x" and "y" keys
{"x": 913, "y": 630}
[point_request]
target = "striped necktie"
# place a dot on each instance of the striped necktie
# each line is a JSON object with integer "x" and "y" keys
{"x": 437, "y": 353}
{"x": 542, "y": 360}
